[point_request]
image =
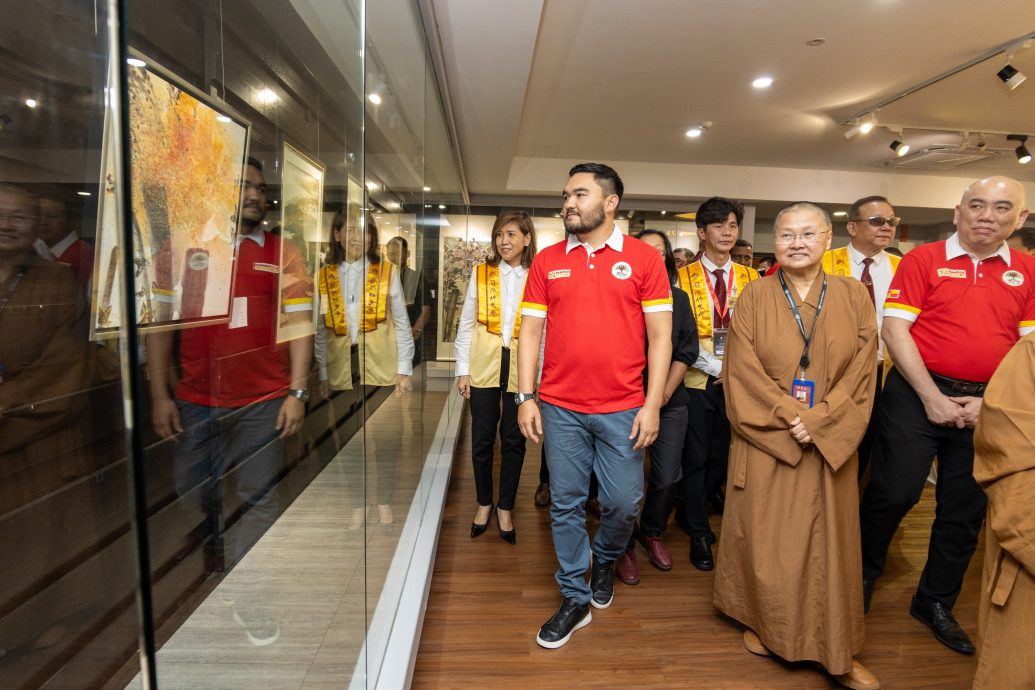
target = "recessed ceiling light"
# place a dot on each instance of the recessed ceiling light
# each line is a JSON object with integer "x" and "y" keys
{"x": 442, "y": 206}
{"x": 762, "y": 82}
{"x": 83, "y": 193}
{"x": 372, "y": 186}
{"x": 275, "y": 201}
{"x": 664, "y": 212}
{"x": 266, "y": 96}
{"x": 31, "y": 102}
{"x": 815, "y": 42}
{"x": 223, "y": 118}
{"x": 694, "y": 132}
{"x": 840, "y": 214}
{"x": 427, "y": 189}
{"x": 136, "y": 62}
{"x": 375, "y": 98}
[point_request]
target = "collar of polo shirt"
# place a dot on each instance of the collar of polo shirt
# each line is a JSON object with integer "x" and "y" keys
{"x": 857, "y": 256}
{"x": 615, "y": 241}
{"x": 953, "y": 249}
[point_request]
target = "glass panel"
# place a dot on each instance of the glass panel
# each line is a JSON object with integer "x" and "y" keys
{"x": 67, "y": 614}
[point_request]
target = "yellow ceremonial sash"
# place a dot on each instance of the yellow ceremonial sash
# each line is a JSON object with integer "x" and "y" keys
{"x": 836, "y": 262}
{"x": 692, "y": 280}
{"x": 486, "y": 344}
{"x": 375, "y": 298}
{"x": 331, "y": 295}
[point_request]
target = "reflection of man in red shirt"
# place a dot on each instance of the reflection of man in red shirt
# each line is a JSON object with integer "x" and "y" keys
{"x": 239, "y": 393}
{"x": 59, "y": 243}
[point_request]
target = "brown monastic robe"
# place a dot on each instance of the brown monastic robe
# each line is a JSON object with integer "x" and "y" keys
{"x": 790, "y": 561}
{"x": 1004, "y": 464}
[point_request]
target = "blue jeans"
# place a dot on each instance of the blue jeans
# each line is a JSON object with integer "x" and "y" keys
{"x": 578, "y": 445}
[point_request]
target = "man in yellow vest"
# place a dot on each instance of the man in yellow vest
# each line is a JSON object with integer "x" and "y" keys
{"x": 713, "y": 283}
{"x": 871, "y": 225}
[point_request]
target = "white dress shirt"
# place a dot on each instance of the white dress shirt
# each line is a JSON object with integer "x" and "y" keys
{"x": 511, "y": 282}
{"x": 706, "y": 361}
{"x": 353, "y": 285}
{"x": 880, "y": 274}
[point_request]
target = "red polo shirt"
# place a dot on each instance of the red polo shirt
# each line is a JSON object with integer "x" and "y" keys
{"x": 966, "y": 316}
{"x": 226, "y": 366}
{"x": 593, "y": 302}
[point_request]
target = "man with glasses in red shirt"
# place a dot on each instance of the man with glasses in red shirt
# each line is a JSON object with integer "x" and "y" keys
{"x": 598, "y": 295}
{"x": 953, "y": 311}
{"x": 871, "y": 225}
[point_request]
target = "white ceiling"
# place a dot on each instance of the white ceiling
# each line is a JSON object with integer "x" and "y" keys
{"x": 539, "y": 84}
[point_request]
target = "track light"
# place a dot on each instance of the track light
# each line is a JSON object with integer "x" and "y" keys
{"x": 1011, "y": 76}
{"x": 899, "y": 148}
{"x": 864, "y": 127}
{"x": 1022, "y": 152}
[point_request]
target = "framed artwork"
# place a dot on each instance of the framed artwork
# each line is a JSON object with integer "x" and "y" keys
{"x": 302, "y": 235}
{"x": 187, "y": 156}
{"x": 464, "y": 242}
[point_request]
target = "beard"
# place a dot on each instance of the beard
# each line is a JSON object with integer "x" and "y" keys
{"x": 249, "y": 224}
{"x": 582, "y": 224}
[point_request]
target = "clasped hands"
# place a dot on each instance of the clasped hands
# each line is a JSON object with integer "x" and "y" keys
{"x": 799, "y": 432}
{"x": 961, "y": 412}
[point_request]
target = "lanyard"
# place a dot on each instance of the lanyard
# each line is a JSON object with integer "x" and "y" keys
{"x": 17, "y": 279}
{"x": 797, "y": 317}
{"x": 715, "y": 300}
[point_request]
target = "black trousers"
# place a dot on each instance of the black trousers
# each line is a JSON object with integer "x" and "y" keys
{"x": 706, "y": 450}
{"x": 666, "y": 470}
{"x": 866, "y": 445}
{"x": 905, "y": 445}
{"x": 485, "y": 418}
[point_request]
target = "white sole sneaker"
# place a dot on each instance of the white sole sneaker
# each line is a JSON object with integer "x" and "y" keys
{"x": 594, "y": 604}
{"x": 564, "y": 640}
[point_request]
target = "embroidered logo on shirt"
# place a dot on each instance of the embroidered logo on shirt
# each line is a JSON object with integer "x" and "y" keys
{"x": 622, "y": 270}
{"x": 198, "y": 261}
{"x": 1013, "y": 278}
{"x": 266, "y": 268}
{"x": 952, "y": 273}
{"x": 893, "y": 294}
{"x": 561, "y": 273}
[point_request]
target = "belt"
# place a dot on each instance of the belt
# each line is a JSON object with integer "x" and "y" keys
{"x": 958, "y": 385}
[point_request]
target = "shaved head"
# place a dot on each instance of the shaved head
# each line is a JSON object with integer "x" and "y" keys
{"x": 990, "y": 211}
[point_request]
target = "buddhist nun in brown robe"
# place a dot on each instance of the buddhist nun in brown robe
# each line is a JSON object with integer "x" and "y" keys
{"x": 1004, "y": 464}
{"x": 789, "y": 563}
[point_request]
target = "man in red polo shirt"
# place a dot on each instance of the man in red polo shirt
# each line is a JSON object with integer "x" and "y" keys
{"x": 56, "y": 241}
{"x": 598, "y": 294}
{"x": 953, "y": 311}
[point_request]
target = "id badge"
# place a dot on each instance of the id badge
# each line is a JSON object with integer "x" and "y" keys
{"x": 719, "y": 341}
{"x": 803, "y": 391}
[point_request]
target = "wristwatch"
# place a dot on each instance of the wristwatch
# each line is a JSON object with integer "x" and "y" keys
{"x": 523, "y": 397}
{"x": 300, "y": 393}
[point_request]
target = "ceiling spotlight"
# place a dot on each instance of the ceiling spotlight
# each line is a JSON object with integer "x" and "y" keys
{"x": 136, "y": 62}
{"x": 864, "y": 127}
{"x": 83, "y": 193}
{"x": 427, "y": 189}
{"x": 224, "y": 118}
{"x": 762, "y": 82}
{"x": 372, "y": 186}
{"x": 840, "y": 214}
{"x": 664, "y": 212}
{"x": 442, "y": 207}
{"x": 899, "y": 148}
{"x": 1011, "y": 76}
{"x": 266, "y": 96}
{"x": 31, "y": 102}
{"x": 698, "y": 129}
{"x": 375, "y": 98}
{"x": 1023, "y": 154}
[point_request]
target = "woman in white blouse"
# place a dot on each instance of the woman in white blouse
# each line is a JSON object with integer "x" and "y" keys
{"x": 486, "y": 365}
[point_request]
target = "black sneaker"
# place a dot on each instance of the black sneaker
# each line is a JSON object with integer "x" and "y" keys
{"x": 569, "y": 617}
{"x": 602, "y": 583}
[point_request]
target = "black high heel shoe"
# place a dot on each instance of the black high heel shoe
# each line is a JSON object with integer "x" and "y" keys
{"x": 478, "y": 530}
{"x": 509, "y": 536}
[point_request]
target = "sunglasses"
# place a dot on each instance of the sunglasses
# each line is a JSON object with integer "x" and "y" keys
{"x": 879, "y": 221}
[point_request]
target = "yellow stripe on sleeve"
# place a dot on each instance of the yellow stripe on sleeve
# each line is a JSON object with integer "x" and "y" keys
{"x": 903, "y": 307}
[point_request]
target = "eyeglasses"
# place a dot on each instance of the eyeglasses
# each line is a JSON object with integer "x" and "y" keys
{"x": 879, "y": 221}
{"x": 806, "y": 237}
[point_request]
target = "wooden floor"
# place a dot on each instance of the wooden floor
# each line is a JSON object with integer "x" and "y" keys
{"x": 488, "y": 600}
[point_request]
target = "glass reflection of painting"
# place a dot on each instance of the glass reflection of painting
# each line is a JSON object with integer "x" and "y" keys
{"x": 458, "y": 256}
{"x": 187, "y": 155}
{"x": 302, "y": 226}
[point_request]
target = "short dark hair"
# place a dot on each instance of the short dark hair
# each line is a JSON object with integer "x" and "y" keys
{"x": 603, "y": 175}
{"x": 853, "y": 211}
{"x": 717, "y": 210}
{"x": 670, "y": 257}
{"x": 1027, "y": 236}
{"x": 742, "y": 243}
{"x": 255, "y": 163}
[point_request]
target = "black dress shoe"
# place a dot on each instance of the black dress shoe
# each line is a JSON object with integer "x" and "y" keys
{"x": 478, "y": 530}
{"x": 509, "y": 536}
{"x": 938, "y": 617}
{"x": 569, "y": 617}
{"x": 867, "y": 594}
{"x": 602, "y": 583}
{"x": 701, "y": 553}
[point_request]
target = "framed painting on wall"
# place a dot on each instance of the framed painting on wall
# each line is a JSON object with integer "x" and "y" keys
{"x": 187, "y": 156}
{"x": 302, "y": 235}
{"x": 463, "y": 242}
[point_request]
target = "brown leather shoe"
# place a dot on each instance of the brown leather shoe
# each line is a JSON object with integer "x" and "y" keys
{"x": 542, "y": 495}
{"x": 657, "y": 552}
{"x": 754, "y": 645}
{"x": 858, "y": 678}
{"x": 625, "y": 568}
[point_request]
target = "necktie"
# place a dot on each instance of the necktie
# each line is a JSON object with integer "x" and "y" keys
{"x": 721, "y": 315}
{"x": 867, "y": 280}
